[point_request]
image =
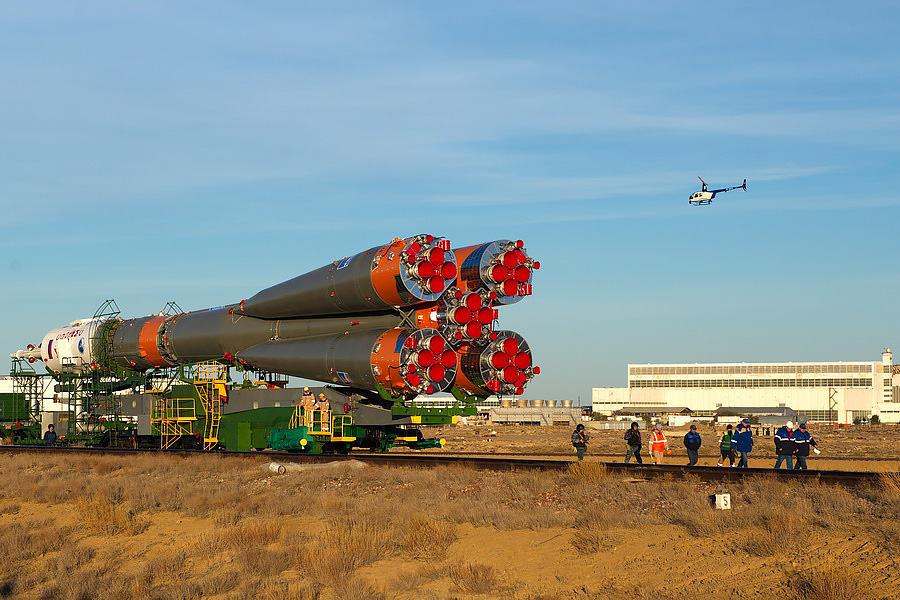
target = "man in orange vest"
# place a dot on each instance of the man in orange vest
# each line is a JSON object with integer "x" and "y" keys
{"x": 658, "y": 444}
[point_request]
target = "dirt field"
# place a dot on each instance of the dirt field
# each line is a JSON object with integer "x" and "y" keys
{"x": 210, "y": 527}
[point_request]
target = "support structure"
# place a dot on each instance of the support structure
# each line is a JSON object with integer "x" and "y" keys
{"x": 210, "y": 379}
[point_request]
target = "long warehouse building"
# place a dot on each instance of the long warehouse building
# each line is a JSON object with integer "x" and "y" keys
{"x": 836, "y": 392}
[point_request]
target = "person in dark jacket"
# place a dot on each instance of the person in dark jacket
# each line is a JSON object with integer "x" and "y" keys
{"x": 784, "y": 445}
{"x": 579, "y": 440}
{"x": 803, "y": 440}
{"x": 50, "y": 435}
{"x": 692, "y": 442}
{"x": 633, "y": 443}
{"x": 725, "y": 447}
{"x": 743, "y": 442}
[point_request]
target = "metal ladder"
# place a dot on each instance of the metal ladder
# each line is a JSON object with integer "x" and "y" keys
{"x": 209, "y": 380}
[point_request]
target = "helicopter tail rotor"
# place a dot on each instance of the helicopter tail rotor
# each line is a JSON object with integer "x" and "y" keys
{"x": 744, "y": 185}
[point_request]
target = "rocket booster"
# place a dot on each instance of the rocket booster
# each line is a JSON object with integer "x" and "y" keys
{"x": 401, "y": 273}
{"x": 412, "y": 316}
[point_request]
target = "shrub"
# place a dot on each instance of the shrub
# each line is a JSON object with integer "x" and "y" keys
{"x": 589, "y": 541}
{"x": 833, "y": 582}
{"x": 427, "y": 539}
{"x": 252, "y": 536}
{"x": 356, "y": 588}
{"x": 263, "y": 562}
{"x": 587, "y": 471}
{"x": 348, "y": 542}
{"x": 473, "y": 578}
{"x": 107, "y": 516}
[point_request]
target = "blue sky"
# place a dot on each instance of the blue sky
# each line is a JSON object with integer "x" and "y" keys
{"x": 198, "y": 152}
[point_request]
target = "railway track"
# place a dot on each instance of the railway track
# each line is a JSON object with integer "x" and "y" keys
{"x": 647, "y": 471}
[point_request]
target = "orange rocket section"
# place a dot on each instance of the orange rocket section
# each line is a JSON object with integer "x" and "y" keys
{"x": 407, "y": 271}
{"x": 148, "y": 348}
{"x": 414, "y": 361}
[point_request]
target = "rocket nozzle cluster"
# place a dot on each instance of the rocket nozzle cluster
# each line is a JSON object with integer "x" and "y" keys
{"x": 504, "y": 366}
{"x": 430, "y": 264}
{"x": 430, "y": 363}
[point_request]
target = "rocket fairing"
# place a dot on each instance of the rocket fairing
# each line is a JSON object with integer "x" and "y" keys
{"x": 412, "y": 316}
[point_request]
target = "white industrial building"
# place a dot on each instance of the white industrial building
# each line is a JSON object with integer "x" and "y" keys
{"x": 836, "y": 392}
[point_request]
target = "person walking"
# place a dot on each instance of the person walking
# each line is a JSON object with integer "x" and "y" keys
{"x": 633, "y": 443}
{"x": 743, "y": 443}
{"x": 784, "y": 445}
{"x": 803, "y": 440}
{"x": 725, "y": 447}
{"x": 658, "y": 444}
{"x": 580, "y": 440}
{"x": 693, "y": 441}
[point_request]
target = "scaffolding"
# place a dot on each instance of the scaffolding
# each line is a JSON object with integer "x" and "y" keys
{"x": 173, "y": 418}
{"x": 29, "y": 384}
{"x": 210, "y": 379}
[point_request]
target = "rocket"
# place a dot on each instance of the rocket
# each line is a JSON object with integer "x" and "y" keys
{"x": 412, "y": 316}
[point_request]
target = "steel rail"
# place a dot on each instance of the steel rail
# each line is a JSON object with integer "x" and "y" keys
{"x": 647, "y": 471}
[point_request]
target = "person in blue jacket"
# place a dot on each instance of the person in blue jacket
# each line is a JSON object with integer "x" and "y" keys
{"x": 743, "y": 443}
{"x": 692, "y": 441}
{"x": 785, "y": 446}
{"x": 803, "y": 440}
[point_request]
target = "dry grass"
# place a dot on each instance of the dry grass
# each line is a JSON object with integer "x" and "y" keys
{"x": 587, "y": 471}
{"x": 831, "y": 582}
{"x": 348, "y": 543}
{"x": 308, "y": 535}
{"x": 9, "y": 508}
{"x": 428, "y": 539}
{"x": 474, "y": 578}
{"x": 262, "y": 561}
{"x": 589, "y": 541}
{"x": 890, "y": 486}
{"x": 303, "y": 590}
{"x": 106, "y": 516}
{"x": 252, "y": 536}
{"x": 356, "y": 588}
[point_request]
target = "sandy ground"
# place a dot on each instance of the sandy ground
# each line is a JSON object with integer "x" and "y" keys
{"x": 668, "y": 544}
{"x": 663, "y": 561}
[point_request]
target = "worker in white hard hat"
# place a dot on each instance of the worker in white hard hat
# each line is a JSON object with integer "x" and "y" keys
{"x": 324, "y": 407}
{"x": 308, "y": 402}
{"x": 785, "y": 448}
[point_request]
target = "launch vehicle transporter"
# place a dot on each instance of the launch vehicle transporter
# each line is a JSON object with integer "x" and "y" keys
{"x": 404, "y": 320}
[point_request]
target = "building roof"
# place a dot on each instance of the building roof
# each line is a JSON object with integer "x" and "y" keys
{"x": 757, "y": 410}
{"x": 656, "y": 410}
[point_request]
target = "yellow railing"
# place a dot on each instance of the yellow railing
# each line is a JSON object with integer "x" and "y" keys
{"x": 173, "y": 418}
{"x": 210, "y": 379}
{"x": 298, "y": 418}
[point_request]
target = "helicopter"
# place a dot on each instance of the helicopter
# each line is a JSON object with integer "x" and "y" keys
{"x": 705, "y": 196}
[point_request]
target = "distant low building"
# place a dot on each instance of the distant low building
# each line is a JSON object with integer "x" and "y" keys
{"x": 838, "y": 392}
